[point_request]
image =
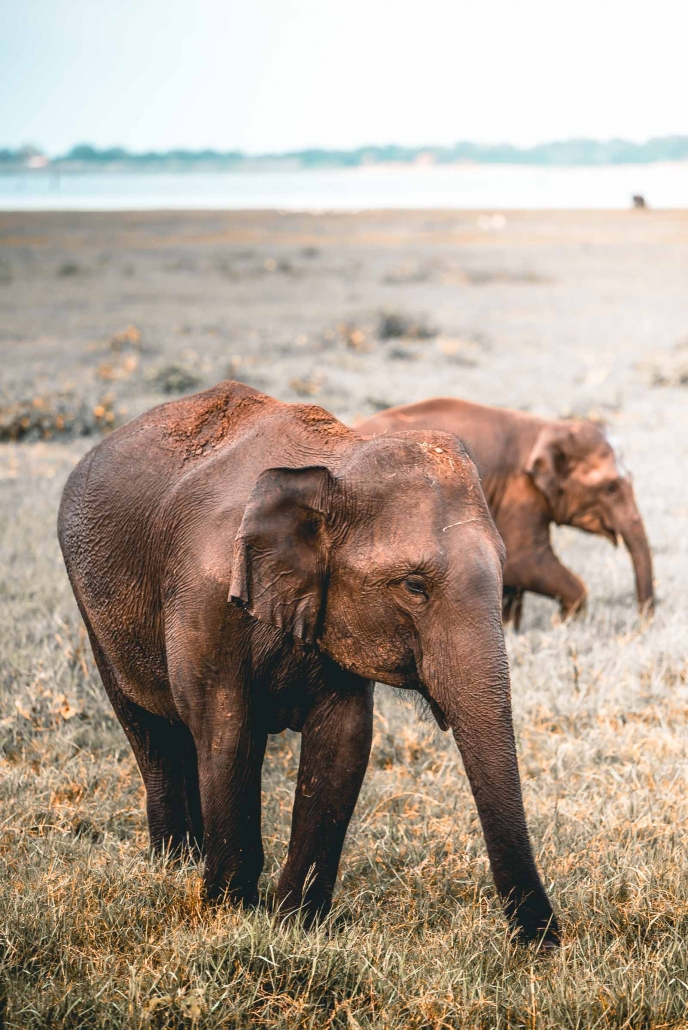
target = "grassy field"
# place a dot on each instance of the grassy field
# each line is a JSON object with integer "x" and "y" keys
{"x": 554, "y": 313}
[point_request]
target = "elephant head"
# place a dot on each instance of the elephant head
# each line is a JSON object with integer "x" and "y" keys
{"x": 574, "y": 466}
{"x": 391, "y": 565}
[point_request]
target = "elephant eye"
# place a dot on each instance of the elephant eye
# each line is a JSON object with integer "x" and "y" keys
{"x": 415, "y": 585}
{"x": 611, "y": 488}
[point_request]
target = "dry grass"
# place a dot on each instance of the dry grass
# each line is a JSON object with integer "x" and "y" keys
{"x": 95, "y": 934}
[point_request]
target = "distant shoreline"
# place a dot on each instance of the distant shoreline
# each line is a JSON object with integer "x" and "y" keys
{"x": 575, "y": 153}
{"x": 258, "y": 169}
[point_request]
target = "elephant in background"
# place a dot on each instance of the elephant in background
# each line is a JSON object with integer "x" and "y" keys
{"x": 536, "y": 471}
{"x": 243, "y": 566}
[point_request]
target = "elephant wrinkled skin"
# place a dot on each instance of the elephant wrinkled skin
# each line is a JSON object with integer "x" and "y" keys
{"x": 243, "y": 566}
{"x": 535, "y": 472}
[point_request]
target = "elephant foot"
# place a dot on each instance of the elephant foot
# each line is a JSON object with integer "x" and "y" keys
{"x": 217, "y": 891}
{"x": 292, "y": 907}
{"x": 175, "y": 849}
{"x": 534, "y": 928}
{"x": 216, "y": 896}
{"x": 573, "y": 609}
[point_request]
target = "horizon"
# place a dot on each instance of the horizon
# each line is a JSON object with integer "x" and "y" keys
{"x": 114, "y": 151}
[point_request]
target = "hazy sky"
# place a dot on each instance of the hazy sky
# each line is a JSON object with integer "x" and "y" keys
{"x": 264, "y": 75}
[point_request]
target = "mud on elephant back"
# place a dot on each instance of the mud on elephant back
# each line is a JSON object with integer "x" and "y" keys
{"x": 243, "y": 566}
{"x": 535, "y": 472}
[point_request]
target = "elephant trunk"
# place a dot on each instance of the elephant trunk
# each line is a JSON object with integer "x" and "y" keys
{"x": 470, "y": 683}
{"x": 630, "y": 527}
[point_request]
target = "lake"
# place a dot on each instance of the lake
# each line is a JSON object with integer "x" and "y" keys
{"x": 664, "y": 185}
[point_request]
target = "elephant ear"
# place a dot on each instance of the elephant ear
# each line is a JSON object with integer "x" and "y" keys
{"x": 281, "y": 550}
{"x": 547, "y": 465}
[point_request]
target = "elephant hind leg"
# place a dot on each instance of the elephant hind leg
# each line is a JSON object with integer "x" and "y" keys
{"x": 166, "y": 757}
{"x": 173, "y": 800}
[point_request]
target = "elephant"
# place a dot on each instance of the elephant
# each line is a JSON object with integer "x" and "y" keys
{"x": 244, "y": 566}
{"x": 536, "y": 471}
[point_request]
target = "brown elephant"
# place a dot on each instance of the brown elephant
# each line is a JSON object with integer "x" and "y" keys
{"x": 243, "y": 566}
{"x": 534, "y": 472}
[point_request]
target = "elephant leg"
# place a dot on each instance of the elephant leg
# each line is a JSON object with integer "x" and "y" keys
{"x": 172, "y": 794}
{"x": 230, "y": 758}
{"x": 335, "y": 747}
{"x": 166, "y": 758}
{"x": 543, "y": 573}
{"x": 512, "y": 607}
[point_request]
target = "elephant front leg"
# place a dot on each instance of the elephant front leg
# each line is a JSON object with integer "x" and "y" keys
{"x": 543, "y": 573}
{"x": 335, "y": 747}
{"x": 230, "y": 760}
{"x": 512, "y": 607}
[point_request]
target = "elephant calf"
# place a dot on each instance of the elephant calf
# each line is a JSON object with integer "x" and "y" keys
{"x": 536, "y": 471}
{"x": 243, "y": 566}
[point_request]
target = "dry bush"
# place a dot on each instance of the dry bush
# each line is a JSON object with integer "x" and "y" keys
{"x": 668, "y": 368}
{"x": 395, "y": 325}
{"x": 175, "y": 379}
{"x": 670, "y": 374}
{"x": 44, "y": 417}
{"x": 308, "y": 386}
{"x": 125, "y": 338}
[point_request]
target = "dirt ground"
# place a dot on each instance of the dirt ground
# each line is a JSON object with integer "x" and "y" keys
{"x": 103, "y": 315}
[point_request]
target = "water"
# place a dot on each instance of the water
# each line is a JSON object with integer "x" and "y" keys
{"x": 456, "y": 186}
